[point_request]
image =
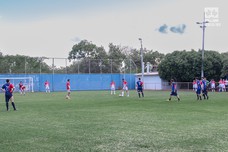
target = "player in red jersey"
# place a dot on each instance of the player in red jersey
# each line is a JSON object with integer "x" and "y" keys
{"x": 221, "y": 85}
{"x": 47, "y": 86}
{"x": 8, "y": 88}
{"x": 21, "y": 88}
{"x": 68, "y": 89}
{"x": 113, "y": 87}
{"x": 125, "y": 88}
{"x": 212, "y": 82}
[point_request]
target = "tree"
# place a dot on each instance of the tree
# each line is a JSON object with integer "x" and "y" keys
{"x": 116, "y": 55}
{"x": 22, "y": 64}
{"x": 153, "y": 57}
{"x": 225, "y": 65}
{"x": 186, "y": 65}
{"x": 90, "y": 57}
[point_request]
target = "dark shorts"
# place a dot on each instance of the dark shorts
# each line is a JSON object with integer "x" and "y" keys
{"x": 198, "y": 91}
{"x": 8, "y": 96}
{"x": 204, "y": 91}
{"x": 140, "y": 90}
{"x": 173, "y": 93}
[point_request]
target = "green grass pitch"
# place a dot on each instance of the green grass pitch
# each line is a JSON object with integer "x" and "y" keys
{"x": 98, "y": 122}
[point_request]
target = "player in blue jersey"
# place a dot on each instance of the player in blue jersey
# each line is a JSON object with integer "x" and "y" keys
{"x": 174, "y": 90}
{"x": 204, "y": 88}
{"x": 198, "y": 89}
{"x": 8, "y": 88}
{"x": 139, "y": 85}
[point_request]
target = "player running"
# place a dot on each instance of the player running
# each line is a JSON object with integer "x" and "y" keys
{"x": 21, "y": 88}
{"x": 139, "y": 85}
{"x": 8, "y": 88}
{"x": 125, "y": 88}
{"x": 174, "y": 90}
{"x": 113, "y": 87}
{"x": 47, "y": 86}
{"x": 68, "y": 89}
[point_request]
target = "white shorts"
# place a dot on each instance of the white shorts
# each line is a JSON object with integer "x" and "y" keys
{"x": 113, "y": 88}
{"x": 47, "y": 87}
{"x": 68, "y": 91}
{"x": 195, "y": 86}
{"x": 212, "y": 85}
{"x": 125, "y": 88}
{"x": 221, "y": 85}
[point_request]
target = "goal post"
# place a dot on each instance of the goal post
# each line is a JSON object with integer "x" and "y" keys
{"x": 27, "y": 82}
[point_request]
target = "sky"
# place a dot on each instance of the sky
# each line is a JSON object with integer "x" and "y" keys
{"x": 50, "y": 28}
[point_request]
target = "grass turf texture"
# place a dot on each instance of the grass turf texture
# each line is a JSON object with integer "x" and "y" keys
{"x": 97, "y": 121}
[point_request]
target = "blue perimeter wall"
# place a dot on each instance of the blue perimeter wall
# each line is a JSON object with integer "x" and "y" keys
{"x": 78, "y": 81}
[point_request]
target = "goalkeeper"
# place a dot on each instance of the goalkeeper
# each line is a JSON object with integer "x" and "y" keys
{"x": 174, "y": 90}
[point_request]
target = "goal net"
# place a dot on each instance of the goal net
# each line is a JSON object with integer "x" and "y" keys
{"x": 27, "y": 82}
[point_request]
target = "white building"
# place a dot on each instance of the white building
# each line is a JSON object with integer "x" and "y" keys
{"x": 152, "y": 81}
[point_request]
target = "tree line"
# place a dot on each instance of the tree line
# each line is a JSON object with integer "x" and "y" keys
{"x": 87, "y": 57}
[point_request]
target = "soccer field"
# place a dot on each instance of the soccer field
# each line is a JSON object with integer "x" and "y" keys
{"x": 96, "y": 121}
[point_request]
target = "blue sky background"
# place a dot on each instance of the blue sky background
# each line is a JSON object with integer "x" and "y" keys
{"x": 51, "y": 27}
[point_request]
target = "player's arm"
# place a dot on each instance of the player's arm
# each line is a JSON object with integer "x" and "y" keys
{"x": 3, "y": 88}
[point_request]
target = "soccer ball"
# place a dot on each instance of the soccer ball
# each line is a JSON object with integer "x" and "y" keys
{"x": 67, "y": 97}
{"x": 120, "y": 95}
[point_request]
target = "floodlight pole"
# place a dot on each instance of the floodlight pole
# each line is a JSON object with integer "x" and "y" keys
{"x": 203, "y": 26}
{"x": 142, "y": 64}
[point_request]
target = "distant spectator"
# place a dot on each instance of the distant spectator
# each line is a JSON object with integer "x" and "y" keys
{"x": 194, "y": 85}
{"x": 221, "y": 85}
{"x": 212, "y": 83}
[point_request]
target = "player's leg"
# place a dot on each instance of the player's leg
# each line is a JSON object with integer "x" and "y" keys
{"x": 112, "y": 90}
{"x": 127, "y": 92}
{"x": 138, "y": 93}
{"x": 200, "y": 94}
{"x": 178, "y": 97}
{"x": 206, "y": 93}
{"x": 124, "y": 88}
{"x": 197, "y": 94}
{"x": 170, "y": 97}
{"x": 12, "y": 102}
{"x": 142, "y": 93}
{"x": 7, "y": 102}
{"x": 203, "y": 92}
{"x": 68, "y": 94}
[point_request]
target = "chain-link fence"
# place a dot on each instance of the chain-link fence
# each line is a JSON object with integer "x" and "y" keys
{"x": 185, "y": 86}
{"x": 34, "y": 65}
